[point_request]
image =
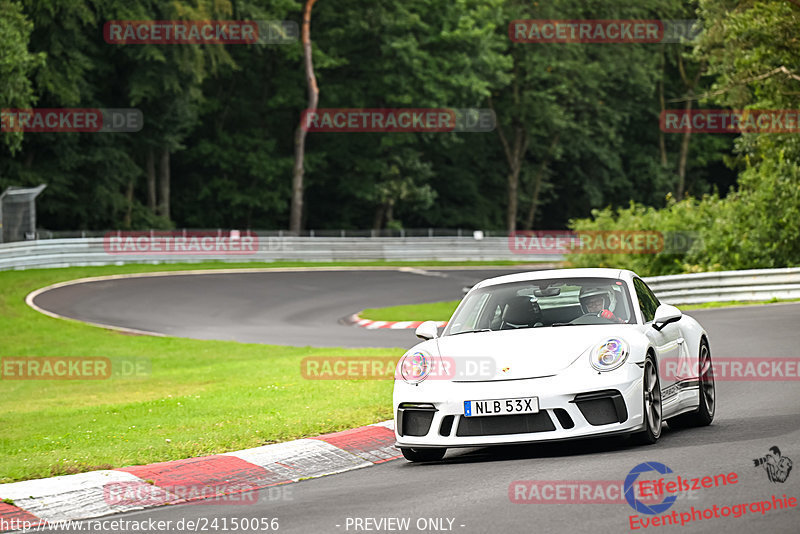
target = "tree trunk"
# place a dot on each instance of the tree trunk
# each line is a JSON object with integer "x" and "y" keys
{"x": 129, "y": 198}
{"x": 390, "y": 211}
{"x": 684, "y": 156}
{"x": 537, "y": 184}
{"x": 516, "y": 154}
{"x": 514, "y": 157}
{"x": 163, "y": 182}
{"x": 296, "y": 215}
{"x": 687, "y": 135}
{"x": 662, "y": 143}
{"x": 377, "y": 221}
{"x": 150, "y": 168}
{"x": 511, "y": 212}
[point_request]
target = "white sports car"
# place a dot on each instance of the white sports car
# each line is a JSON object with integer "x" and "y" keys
{"x": 552, "y": 355}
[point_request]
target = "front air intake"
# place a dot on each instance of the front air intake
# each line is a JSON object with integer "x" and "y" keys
{"x": 497, "y": 425}
{"x": 602, "y": 407}
{"x": 414, "y": 419}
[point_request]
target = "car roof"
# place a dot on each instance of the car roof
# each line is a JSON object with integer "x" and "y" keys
{"x": 558, "y": 273}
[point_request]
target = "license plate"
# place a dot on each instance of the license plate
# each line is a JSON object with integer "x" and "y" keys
{"x": 501, "y": 406}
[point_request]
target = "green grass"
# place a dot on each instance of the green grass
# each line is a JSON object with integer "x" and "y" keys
{"x": 434, "y": 311}
{"x": 201, "y": 397}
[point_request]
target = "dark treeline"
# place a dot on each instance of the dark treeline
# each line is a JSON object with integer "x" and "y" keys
{"x": 578, "y": 124}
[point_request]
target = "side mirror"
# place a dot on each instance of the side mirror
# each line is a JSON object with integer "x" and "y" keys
{"x": 665, "y": 314}
{"x": 427, "y": 330}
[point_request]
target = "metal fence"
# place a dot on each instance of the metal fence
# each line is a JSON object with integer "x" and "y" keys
{"x": 93, "y": 251}
{"x": 727, "y": 286}
{"x": 384, "y": 232}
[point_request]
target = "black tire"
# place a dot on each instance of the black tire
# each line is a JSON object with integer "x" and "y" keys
{"x": 707, "y": 392}
{"x": 651, "y": 404}
{"x": 423, "y": 455}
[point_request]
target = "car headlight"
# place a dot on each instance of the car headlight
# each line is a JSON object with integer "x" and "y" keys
{"x": 610, "y": 354}
{"x": 415, "y": 367}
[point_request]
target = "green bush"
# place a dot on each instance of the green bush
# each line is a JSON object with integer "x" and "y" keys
{"x": 754, "y": 227}
{"x": 688, "y": 216}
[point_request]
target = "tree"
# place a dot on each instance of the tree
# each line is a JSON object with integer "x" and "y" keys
{"x": 17, "y": 64}
{"x": 296, "y": 218}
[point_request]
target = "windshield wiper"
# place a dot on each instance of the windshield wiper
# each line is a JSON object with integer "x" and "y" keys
{"x": 473, "y": 331}
{"x": 564, "y": 324}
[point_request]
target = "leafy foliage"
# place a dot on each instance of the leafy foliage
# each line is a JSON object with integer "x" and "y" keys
{"x": 221, "y": 117}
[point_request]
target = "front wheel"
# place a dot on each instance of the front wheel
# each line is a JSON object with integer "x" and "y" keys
{"x": 651, "y": 400}
{"x": 423, "y": 455}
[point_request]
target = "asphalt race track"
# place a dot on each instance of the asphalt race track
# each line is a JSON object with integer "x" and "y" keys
{"x": 470, "y": 487}
{"x": 280, "y": 308}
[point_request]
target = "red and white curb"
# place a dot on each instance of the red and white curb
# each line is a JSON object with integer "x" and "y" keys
{"x": 356, "y": 320}
{"x": 88, "y": 495}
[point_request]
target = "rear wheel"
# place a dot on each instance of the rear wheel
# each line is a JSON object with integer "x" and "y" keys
{"x": 651, "y": 401}
{"x": 423, "y": 455}
{"x": 706, "y": 391}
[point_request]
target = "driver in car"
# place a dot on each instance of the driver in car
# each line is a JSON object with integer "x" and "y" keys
{"x": 599, "y": 301}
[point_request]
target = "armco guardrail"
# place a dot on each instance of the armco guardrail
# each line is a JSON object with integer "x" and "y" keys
{"x": 91, "y": 251}
{"x": 722, "y": 286}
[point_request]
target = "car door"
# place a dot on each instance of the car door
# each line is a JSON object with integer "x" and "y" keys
{"x": 668, "y": 342}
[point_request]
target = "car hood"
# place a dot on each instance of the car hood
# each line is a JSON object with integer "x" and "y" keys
{"x": 525, "y": 353}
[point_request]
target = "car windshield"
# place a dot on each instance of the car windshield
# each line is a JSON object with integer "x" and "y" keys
{"x": 543, "y": 303}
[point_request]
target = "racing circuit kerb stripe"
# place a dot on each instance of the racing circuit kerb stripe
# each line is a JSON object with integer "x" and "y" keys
{"x": 11, "y": 515}
{"x": 213, "y": 477}
{"x": 356, "y": 320}
{"x": 372, "y": 443}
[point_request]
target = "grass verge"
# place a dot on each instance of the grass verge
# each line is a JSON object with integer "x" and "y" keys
{"x": 434, "y": 311}
{"x": 200, "y": 397}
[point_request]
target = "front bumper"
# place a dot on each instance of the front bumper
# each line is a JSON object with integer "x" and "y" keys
{"x": 573, "y": 404}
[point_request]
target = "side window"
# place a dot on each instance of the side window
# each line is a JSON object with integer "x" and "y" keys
{"x": 647, "y": 300}
{"x": 476, "y": 304}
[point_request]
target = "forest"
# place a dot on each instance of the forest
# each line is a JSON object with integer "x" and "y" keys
{"x": 577, "y": 141}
